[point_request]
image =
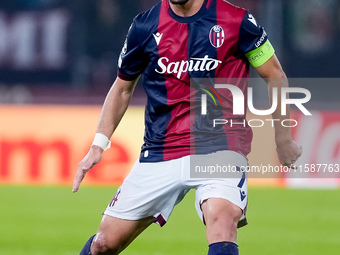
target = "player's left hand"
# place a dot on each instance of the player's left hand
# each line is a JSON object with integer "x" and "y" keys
{"x": 289, "y": 153}
{"x": 89, "y": 161}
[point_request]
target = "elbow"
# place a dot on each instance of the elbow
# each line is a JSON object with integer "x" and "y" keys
{"x": 272, "y": 69}
{"x": 280, "y": 74}
{"x": 276, "y": 71}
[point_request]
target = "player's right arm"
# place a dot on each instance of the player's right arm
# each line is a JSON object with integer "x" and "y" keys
{"x": 114, "y": 107}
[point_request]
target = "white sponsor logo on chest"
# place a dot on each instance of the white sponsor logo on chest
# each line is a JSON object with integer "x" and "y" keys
{"x": 180, "y": 67}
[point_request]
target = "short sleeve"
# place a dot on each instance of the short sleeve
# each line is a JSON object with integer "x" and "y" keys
{"x": 132, "y": 61}
{"x": 253, "y": 41}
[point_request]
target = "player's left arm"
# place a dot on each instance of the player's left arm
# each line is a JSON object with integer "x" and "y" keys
{"x": 256, "y": 47}
{"x": 288, "y": 151}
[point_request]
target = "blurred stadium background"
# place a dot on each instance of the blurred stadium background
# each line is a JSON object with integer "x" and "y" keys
{"x": 58, "y": 59}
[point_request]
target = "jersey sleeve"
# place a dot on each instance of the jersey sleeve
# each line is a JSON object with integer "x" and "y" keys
{"x": 132, "y": 61}
{"x": 253, "y": 41}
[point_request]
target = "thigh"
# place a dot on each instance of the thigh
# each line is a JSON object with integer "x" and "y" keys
{"x": 221, "y": 218}
{"x": 230, "y": 186}
{"x": 115, "y": 234}
{"x": 229, "y": 190}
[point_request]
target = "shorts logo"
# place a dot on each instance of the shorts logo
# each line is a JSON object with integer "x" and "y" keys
{"x": 114, "y": 199}
{"x": 243, "y": 195}
{"x": 216, "y": 36}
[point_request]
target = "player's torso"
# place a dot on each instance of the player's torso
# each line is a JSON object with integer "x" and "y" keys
{"x": 201, "y": 46}
{"x": 178, "y": 49}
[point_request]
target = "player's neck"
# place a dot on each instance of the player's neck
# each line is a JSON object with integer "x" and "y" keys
{"x": 188, "y": 9}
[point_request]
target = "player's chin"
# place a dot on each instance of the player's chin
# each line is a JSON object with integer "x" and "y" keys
{"x": 179, "y": 2}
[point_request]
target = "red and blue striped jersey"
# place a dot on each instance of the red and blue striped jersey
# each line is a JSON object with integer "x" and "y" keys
{"x": 169, "y": 51}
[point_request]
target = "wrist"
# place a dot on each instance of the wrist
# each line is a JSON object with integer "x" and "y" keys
{"x": 102, "y": 141}
{"x": 283, "y": 140}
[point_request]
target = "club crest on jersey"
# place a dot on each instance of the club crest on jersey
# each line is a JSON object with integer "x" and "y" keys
{"x": 216, "y": 36}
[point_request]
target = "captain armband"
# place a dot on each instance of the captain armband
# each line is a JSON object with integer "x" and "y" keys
{"x": 260, "y": 55}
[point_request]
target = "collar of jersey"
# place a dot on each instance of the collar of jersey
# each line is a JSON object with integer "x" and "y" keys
{"x": 190, "y": 19}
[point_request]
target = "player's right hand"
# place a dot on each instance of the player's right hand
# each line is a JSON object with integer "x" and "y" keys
{"x": 89, "y": 161}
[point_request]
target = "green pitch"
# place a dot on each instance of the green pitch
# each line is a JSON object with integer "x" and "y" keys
{"x": 52, "y": 220}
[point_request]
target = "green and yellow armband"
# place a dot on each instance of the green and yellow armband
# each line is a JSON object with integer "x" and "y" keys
{"x": 260, "y": 55}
